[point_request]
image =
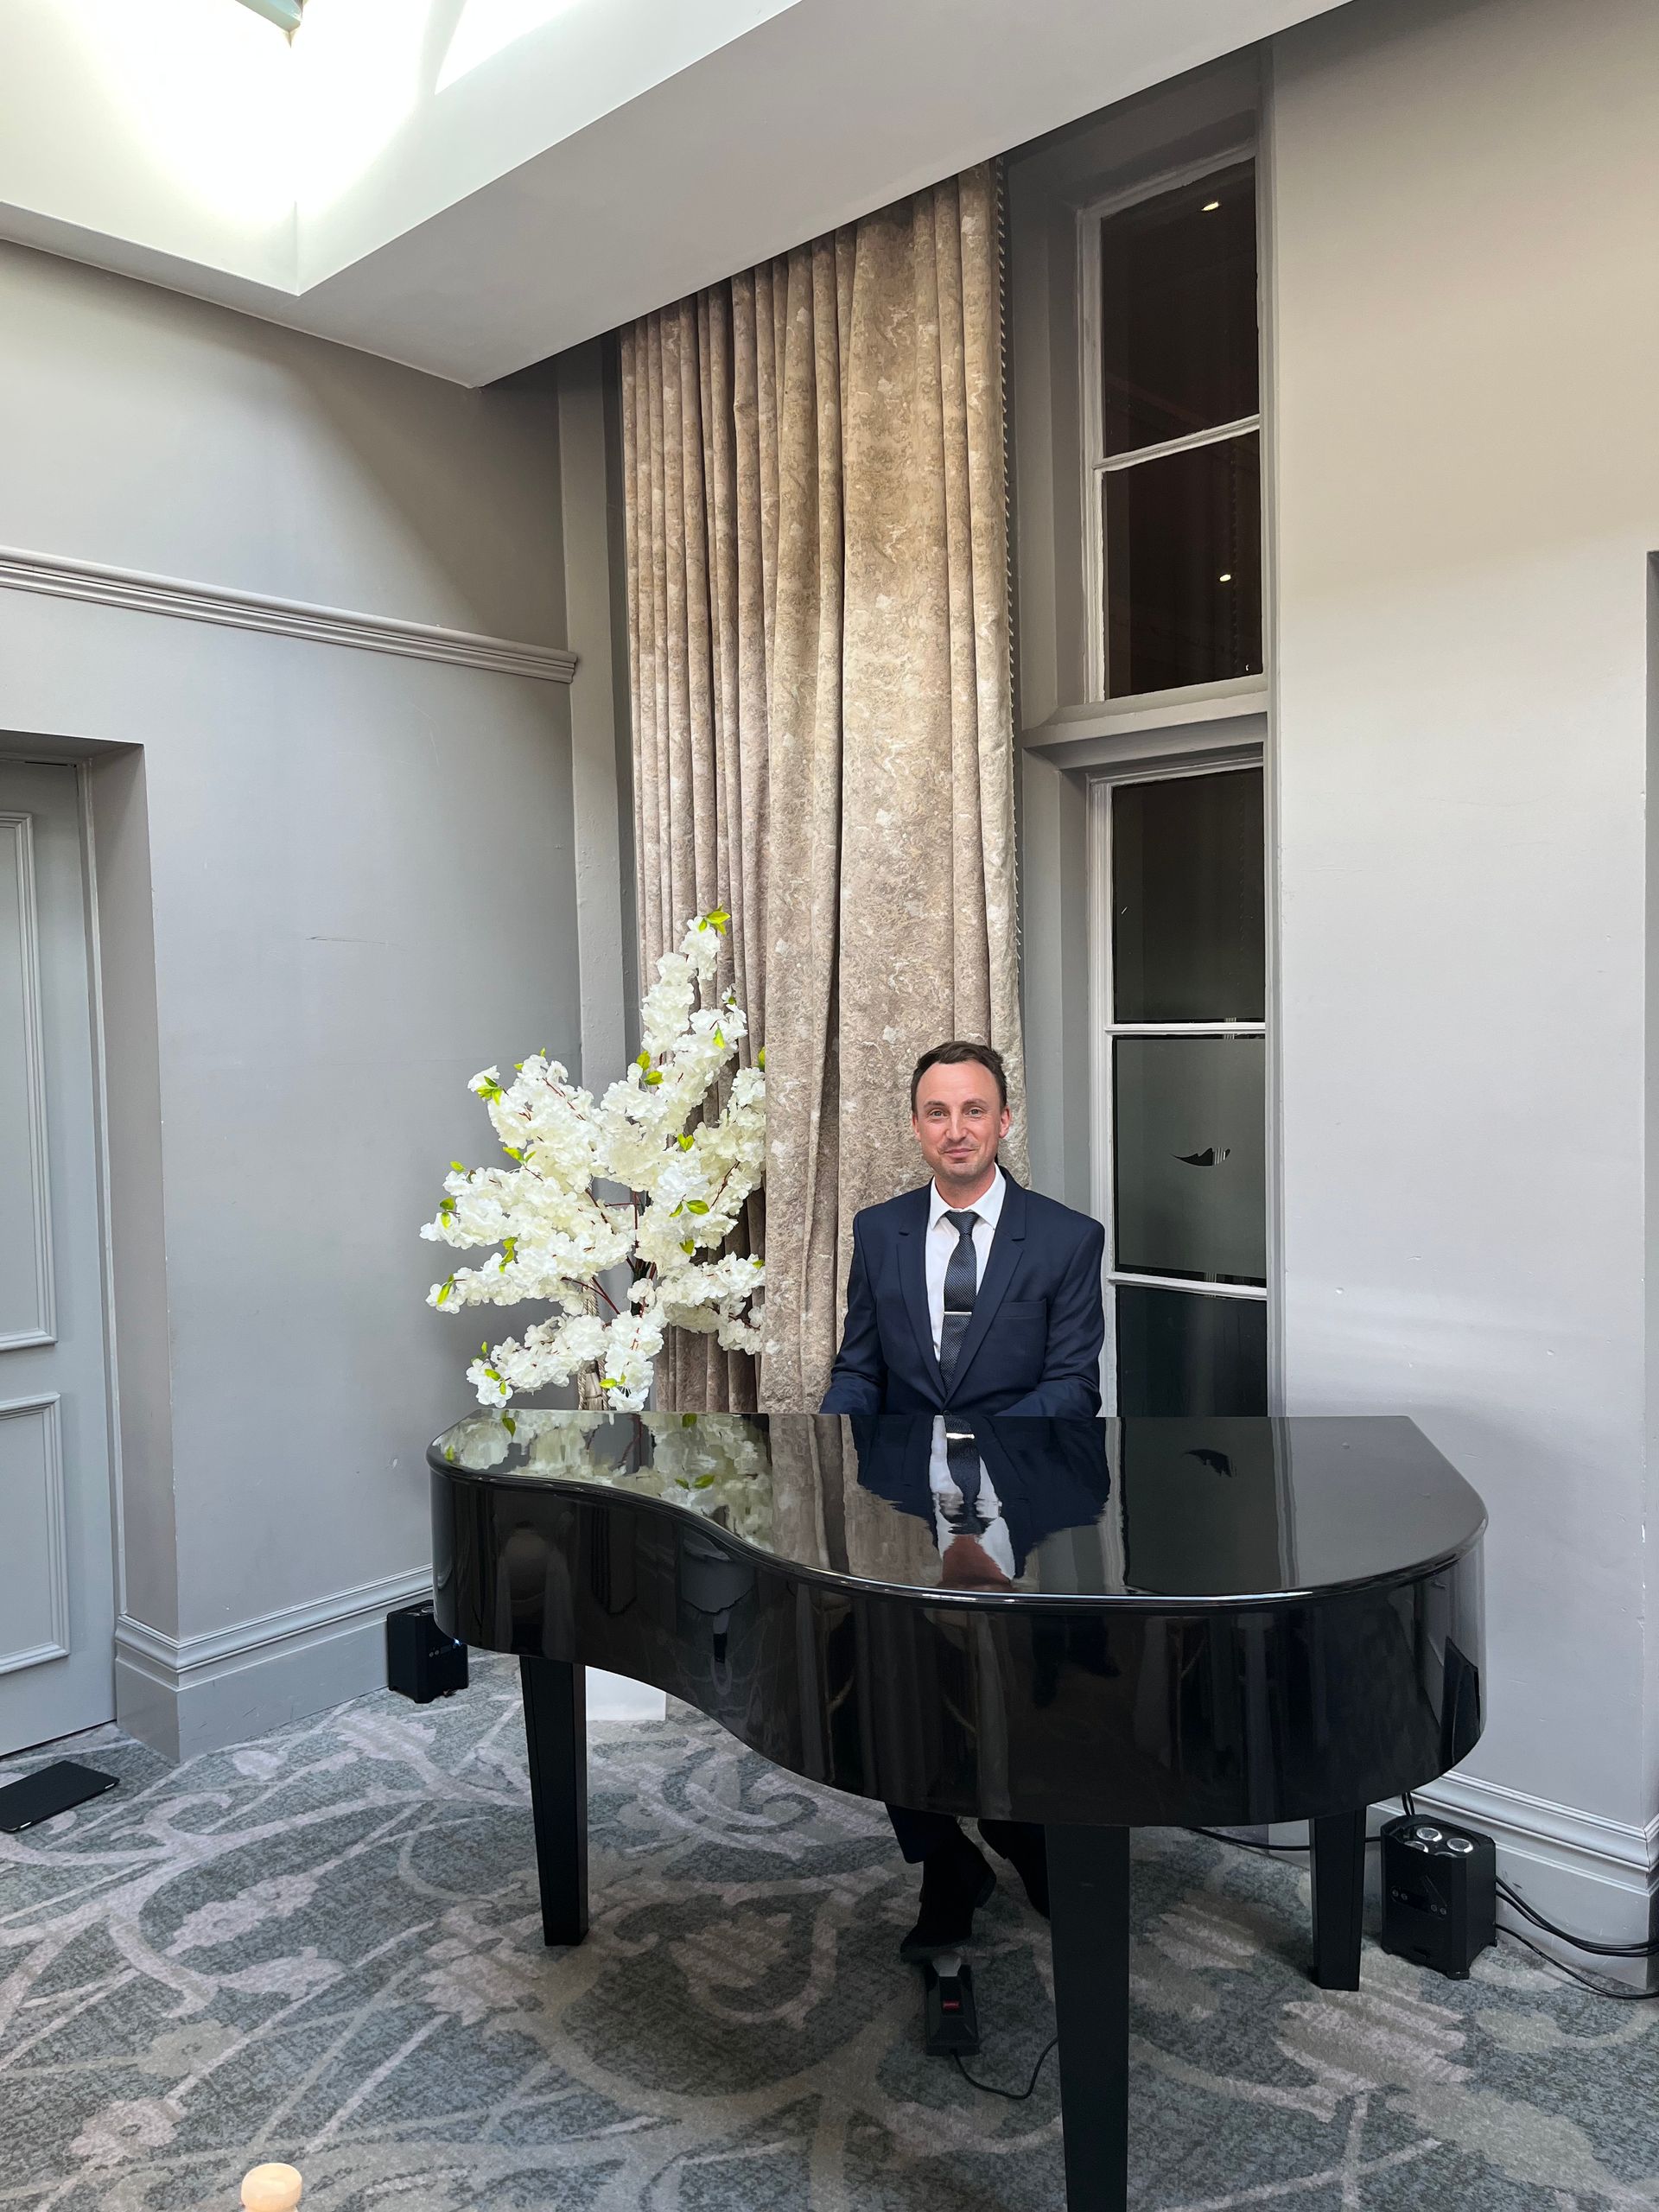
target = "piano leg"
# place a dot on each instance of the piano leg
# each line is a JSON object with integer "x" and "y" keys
{"x": 1089, "y": 1902}
{"x": 1338, "y": 1880}
{"x": 555, "y": 1728}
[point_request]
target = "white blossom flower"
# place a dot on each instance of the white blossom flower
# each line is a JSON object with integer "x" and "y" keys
{"x": 552, "y": 1239}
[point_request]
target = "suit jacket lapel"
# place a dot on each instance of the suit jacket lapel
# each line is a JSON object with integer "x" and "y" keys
{"x": 913, "y": 1275}
{"x": 1005, "y": 1247}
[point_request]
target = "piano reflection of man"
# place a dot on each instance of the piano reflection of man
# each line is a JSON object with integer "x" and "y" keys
{"x": 990, "y": 1490}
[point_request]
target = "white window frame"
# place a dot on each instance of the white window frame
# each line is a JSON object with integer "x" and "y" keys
{"x": 1097, "y": 464}
{"x": 1105, "y": 1029}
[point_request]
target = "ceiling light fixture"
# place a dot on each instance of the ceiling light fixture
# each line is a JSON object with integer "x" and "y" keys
{"x": 1226, "y": 577}
{"x": 1211, "y": 206}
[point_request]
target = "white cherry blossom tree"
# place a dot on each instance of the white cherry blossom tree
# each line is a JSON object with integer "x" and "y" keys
{"x": 558, "y": 1237}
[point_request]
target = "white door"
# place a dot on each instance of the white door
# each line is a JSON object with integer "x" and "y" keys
{"x": 57, "y": 1601}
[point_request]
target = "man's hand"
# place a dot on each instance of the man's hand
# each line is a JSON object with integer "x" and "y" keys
{"x": 968, "y": 1565}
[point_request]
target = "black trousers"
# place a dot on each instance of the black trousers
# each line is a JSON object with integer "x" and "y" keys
{"x": 920, "y": 1833}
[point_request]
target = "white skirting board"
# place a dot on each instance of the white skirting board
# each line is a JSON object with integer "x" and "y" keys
{"x": 185, "y": 1696}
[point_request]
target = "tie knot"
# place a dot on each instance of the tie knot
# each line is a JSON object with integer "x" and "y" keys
{"x": 962, "y": 1223}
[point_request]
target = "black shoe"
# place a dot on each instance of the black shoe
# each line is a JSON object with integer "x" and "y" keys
{"x": 956, "y": 1882}
{"x": 1021, "y": 1842}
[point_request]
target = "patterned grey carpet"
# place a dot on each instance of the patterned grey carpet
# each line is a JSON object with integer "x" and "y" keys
{"x": 324, "y": 1947}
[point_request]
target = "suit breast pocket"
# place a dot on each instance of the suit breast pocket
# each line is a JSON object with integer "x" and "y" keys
{"x": 1013, "y": 1311}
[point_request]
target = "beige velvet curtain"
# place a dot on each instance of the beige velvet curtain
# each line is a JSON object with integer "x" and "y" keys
{"x": 818, "y": 630}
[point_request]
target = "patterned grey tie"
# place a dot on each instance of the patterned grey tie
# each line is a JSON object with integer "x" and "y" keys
{"x": 960, "y": 1281}
{"x": 962, "y": 1456}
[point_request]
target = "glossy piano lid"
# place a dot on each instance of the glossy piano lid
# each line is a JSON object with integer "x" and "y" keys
{"x": 1216, "y": 1510}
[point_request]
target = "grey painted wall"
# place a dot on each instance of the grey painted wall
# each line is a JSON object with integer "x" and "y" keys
{"x": 358, "y": 875}
{"x": 1467, "y": 495}
{"x": 1463, "y": 498}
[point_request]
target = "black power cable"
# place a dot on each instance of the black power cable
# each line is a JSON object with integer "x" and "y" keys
{"x": 1013, "y": 2096}
{"x": 1596, "y": 1988}
{"x": 1647, "y": 1950}
{"x": 1247, "y": 1843}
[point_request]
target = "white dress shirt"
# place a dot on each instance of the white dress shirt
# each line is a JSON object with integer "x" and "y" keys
{"x": 941, "y": 1244}
{"x": 995, "y": 1539}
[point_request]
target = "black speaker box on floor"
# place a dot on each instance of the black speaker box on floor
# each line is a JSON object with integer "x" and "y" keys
{"x": 422, "y": 1662}
{"x": 1440, "y": 1894}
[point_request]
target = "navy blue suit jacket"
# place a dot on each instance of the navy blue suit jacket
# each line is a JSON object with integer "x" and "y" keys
{"x": 1033, "y": 1345}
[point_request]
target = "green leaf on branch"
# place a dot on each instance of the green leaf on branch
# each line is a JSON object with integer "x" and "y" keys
{"x": 689, "y": 1245}
{"x": 716, "y": 920}
{"x": 760, "y": 1060}
{"x": 444, "y": 1289}
{"x": 508, "y": 1424}
{"x": 720, "y": 1038}
{"x": 455, "y": 1167}
{"x": 655, "y": 1077}
{"x": 686, "y": 1142}
{"x": 643, "y": 1060}
{"x": 703, "y": 1481}
{"x": 696, "y": 1206}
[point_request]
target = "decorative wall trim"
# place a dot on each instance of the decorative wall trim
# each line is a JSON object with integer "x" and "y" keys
{"x": 187, "y": 1695}
{"x": 139, "y": 593}
{"x": 1583, "y": 1843}
{"x": 191, "y": 1654}
{"x": 45, "y": 1407}
{"x": 43, "y": 1328}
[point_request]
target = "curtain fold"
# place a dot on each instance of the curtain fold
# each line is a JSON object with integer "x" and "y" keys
{"x": 819, "y": 650}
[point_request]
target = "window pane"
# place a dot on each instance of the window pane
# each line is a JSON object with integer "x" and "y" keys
{"x": 1187, "y": 1146}
{"x": 1182, "y": 1353}
{"x": 1183, "y": 538}
{"x": 1187, "y": 928}
{"x": 1177, "y": 311}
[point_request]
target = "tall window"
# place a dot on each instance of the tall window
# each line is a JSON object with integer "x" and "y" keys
{"x": 1177, "y": 862}
{"x": 1172, "y": 430}
{"x": 1172, "y": 423}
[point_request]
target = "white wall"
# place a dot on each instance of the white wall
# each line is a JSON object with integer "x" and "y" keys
{"x": 359, "y": 876}
{"x": 1465, "y": 327}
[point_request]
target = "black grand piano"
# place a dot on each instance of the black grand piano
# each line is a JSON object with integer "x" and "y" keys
{"x": 1191, "y": 1622}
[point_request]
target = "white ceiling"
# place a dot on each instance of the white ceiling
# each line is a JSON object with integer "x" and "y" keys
{"x": 471, "y": 184}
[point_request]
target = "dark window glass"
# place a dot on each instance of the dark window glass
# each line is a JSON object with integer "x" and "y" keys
{"x": 1187, "y": 928}
{"x": 1177, "y": 311}
{"x": 1178, "y": 1353}
{"x": 1187, "y": 1151}
{"x": 1183, "y": 539}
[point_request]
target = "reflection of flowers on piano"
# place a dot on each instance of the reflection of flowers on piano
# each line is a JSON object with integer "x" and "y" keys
{"x": 714, "y": 1465}
{"x": 688, "y": 1179}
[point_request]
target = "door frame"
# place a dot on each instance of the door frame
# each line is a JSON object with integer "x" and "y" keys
{"x": 24, "y": 749}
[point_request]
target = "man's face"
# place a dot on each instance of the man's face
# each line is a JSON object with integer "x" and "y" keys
{"x": 959, "y": 1121}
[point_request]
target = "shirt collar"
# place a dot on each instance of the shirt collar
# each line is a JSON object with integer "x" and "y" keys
{"x": 988, "y": 1207}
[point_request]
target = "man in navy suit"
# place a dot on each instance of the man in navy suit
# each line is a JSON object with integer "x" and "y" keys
{"x": 971, "y": 1295}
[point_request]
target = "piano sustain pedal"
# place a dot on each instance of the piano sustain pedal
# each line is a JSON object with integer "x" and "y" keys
{"x": 952, "y": 2018}
{"x": 422, "y": 1662}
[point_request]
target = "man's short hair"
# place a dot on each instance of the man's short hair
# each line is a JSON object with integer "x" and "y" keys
{"x": 952, "y": 1055}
